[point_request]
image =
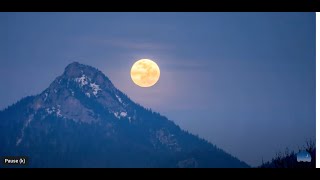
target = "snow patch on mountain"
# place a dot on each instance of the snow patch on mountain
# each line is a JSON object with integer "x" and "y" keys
{"x": 54, "y": 110}
{"x": 59, "y": 113}
{"x": 45, "y": 96}
{"x": 116, "y": 115}
{"x": 95, "y": 88}
{"x": 83, "y": 80}
{"x": 167, "y": 139}
{"x": 119, "y": 99}
{"x": 121, "y": 114}
{"x": 50, "y": 110}
{"x": 30, "y": 118}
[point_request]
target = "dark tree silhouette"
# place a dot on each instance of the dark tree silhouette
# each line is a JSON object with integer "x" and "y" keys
{"x": 288, "y": 159}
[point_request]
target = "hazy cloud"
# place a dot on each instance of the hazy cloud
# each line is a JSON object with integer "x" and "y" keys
{"x": 129, "y": 44}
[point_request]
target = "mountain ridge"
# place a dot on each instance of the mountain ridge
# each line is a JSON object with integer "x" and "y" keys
{"x": 83, "y": 113}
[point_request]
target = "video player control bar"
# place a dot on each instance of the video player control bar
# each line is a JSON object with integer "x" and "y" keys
{"x": 14, "y": 160}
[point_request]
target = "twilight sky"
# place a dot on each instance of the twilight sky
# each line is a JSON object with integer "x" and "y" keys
{"x": 244, "y": 81}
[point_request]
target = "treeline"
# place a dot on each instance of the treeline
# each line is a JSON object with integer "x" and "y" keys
{"x": 288, "y": 159}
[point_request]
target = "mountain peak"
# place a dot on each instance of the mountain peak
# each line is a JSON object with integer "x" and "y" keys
{"x": 82, "y": 112}
{"x": 74, "y": 63}
{"x": 76, "y": 69}
{"x": 78, "y": 92}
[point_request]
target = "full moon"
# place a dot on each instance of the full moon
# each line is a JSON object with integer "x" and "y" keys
{"x": 145, "y": 73}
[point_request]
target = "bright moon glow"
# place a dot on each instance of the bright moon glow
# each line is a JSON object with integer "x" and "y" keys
{"x": 145, "y": 73}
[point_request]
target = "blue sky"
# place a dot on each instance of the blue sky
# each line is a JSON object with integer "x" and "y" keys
{"x": 244, "y": 81}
